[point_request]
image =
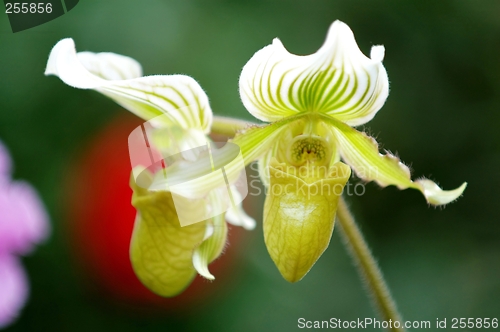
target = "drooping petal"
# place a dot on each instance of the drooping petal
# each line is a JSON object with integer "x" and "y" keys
{"x": 361, "y": 152}
{"x": 210, "y": 248}
{"x": 299, "y": 215}
{"x": 235, "y": 215}
{"x": 161, "y": 251}
{"x": 13, "y": 289}
{"x": 437, "y": 196}
{"x": 179, "y": 97}
{"x": 338, "y": 80}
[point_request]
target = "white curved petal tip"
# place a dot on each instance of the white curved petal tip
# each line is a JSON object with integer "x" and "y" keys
{"x": 339, "y": 27}
{"x": 436, "y": 196}
{"x": 51, "y": 68}
{"x": 211, "y": 247}
{"x": 237, "y": 216}
{"x": 277, "y": 42}
{"x": 377, "y": 53}
{"x": 86, "y": 69}
{"x": 64, "y": 63}
{"x": 201, "y": 254}
{"x": 201, "y": 265}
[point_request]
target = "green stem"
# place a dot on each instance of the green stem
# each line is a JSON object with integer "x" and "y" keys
{"x": 367, "y": 267}
{"x": 228, "y": 126}
{"x": 354, "y": 240}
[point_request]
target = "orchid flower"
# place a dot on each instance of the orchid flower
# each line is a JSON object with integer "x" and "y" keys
{"x": 312, "y": 103}
{"x": 23, "y": 223}
{"x": 164, "y": 255}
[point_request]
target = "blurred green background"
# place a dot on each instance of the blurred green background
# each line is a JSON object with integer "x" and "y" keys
{"x": 442, "y": 117}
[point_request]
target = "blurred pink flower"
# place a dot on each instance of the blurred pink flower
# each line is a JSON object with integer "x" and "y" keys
{"x": 23, "y": 223}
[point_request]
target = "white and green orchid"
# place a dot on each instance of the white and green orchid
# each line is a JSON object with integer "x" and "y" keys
{"x": 164, "y": 255}
{"x": 312, "y": 103}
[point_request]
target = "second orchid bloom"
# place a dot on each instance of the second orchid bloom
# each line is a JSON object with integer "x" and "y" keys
{"x": 164, "y": 255}
{"x": 312, "y": 103}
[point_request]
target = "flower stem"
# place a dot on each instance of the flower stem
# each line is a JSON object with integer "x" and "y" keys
{"x": 353, "y": 240}
{"x": 367, "y": 266}
{"x": 228, "y": 126}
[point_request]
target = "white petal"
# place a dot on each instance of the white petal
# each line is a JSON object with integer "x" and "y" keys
{"x": 110, "y": 66}
{"x": 235, "y": 215}
{"x": 437, "y": 196}
{"x": 377, "y": 53}
{"x": 211, "y": 247}
{"x": 179, "y": 97}
{"x": 338, "y": 80}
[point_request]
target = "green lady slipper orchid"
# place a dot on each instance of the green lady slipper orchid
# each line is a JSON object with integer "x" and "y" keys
{"x": 313, "y": 102}
{"x": 164, "y": 255}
